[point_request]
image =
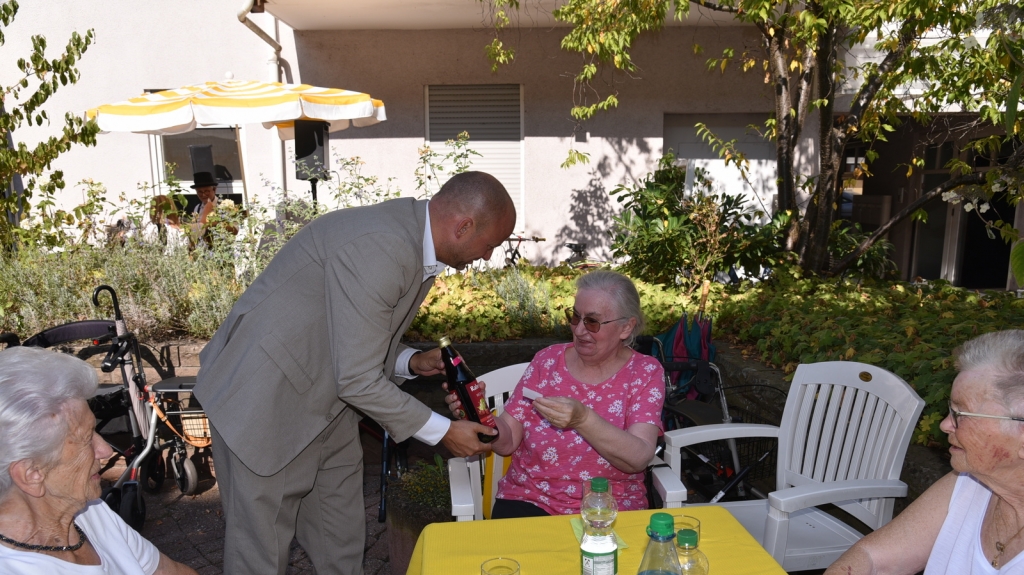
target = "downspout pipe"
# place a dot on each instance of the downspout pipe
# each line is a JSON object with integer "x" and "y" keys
{"x": 243, "y": 17}
{"x": 275, "y": 61}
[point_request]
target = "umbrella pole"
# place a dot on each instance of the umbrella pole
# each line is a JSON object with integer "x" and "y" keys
{"x": 241, "y": 166}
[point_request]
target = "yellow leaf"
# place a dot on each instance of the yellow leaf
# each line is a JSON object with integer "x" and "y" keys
{"x": 850, "y": 353}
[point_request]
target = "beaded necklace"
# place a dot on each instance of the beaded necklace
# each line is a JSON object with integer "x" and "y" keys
{"x": 81, "y": 541}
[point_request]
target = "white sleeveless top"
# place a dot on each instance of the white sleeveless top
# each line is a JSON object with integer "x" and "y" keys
{"x": 957, "y": 549}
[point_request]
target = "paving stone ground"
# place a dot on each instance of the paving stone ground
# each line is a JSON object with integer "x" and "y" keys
{"x": 190, "y": 529}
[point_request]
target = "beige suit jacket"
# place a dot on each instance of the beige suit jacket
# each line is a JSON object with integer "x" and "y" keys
{"x": 317, "y": 332}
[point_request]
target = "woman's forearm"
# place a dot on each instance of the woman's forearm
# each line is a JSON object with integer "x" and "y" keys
{"x": 856, "y": 561}
{"x": 510, "y": 435}
{"x": 628, "y": 450}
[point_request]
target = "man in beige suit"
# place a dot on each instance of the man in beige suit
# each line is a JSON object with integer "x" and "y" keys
{"x": 312, "y": 346}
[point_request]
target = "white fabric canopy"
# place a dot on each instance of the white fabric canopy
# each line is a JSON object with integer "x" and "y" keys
{"x": 235, "y": 102}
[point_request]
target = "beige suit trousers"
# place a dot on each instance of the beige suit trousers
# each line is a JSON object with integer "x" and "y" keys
{"x": 318, "y": 496}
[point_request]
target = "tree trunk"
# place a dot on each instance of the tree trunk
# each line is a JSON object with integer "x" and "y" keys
{"x": 785, "y": 123}
{"x": 832, "y": 137}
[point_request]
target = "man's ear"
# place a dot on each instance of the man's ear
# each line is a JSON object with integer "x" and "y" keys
{"x": 465, "y": 225}
{"x": 28, "y": 477}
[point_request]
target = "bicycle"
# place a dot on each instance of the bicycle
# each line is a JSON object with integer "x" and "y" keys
{"x": 578, "y": 260}
{"x": 512, "y": 257}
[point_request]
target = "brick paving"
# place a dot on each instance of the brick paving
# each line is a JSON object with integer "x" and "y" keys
{"x": 190, "y": 529}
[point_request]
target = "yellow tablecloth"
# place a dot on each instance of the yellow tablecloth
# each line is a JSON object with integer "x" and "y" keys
{"x": 547, "y": 546}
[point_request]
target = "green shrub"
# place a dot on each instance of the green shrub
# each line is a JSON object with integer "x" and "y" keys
{"x": 672, "y": 239}
{"x": 524, "y": 301}
{"x": 907, "y": 329}
{"x": 425, "y": 485}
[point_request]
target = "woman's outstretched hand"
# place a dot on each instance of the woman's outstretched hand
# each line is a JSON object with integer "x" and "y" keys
{"x": 562, "y": 412}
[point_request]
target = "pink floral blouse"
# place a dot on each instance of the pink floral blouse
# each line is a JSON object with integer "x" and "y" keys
{"x": 551, "y": 464}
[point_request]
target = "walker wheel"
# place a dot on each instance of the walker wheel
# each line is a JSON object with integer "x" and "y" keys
{"x": 133, "y": 506}
{"x": 185, "y": 475}
{"x": 154, "y": 471}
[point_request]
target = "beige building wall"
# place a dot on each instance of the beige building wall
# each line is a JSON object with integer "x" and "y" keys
{"x": 563, "y": 205}
{"x": 145, "y": 45}
{"x": 139, "y": 46}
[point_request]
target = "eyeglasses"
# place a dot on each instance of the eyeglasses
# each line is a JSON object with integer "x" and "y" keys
{"x": 958, "y": 414}
{"x": 592, "y": 325}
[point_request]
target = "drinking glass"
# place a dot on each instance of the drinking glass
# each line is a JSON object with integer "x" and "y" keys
{"x": 499, "y": 566}
{"x": 687, "y": 522}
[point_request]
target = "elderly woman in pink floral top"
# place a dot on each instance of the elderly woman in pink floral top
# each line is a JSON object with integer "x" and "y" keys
{"x": 600, "y": 414}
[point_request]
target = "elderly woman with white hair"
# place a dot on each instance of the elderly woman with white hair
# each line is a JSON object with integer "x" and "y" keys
{"x": 51, "y": 520}
{"x": 970, "y": 522}
{"x": 600, "y": 414}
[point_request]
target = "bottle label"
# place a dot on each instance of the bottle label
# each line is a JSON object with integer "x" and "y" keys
{"x": 600, "y": 563}
{"x": 476, "y": 395}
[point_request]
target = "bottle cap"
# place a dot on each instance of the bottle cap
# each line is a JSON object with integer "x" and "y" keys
{"x": 444, "y": 341}
{"x": 687, "y": 538}
{"x": 661, "y": 525}
{"x": 599, "y": 485}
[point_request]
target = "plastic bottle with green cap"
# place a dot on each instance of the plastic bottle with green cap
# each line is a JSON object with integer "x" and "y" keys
{"x": 692, "y": 561}
{"x": 660, "y": 557}
{"x": 599, "y": 551}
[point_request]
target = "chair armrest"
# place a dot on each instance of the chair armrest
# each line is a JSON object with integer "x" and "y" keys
{"x": 797, "y": 498}
{"x": 669, "y": 487}
{"x": 699, "y": 434}
{"x": 461, "y": 489}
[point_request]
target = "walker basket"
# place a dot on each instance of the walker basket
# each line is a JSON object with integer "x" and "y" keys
{"x": 186, "y": 418}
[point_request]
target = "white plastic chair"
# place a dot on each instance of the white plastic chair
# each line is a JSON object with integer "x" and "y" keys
{"x": 842, "y": 440}
{"x": 474, "y": 480}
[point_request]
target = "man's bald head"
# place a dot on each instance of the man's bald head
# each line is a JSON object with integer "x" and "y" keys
{"x": 471, "y": 215}
{"x": 475, "y": 194}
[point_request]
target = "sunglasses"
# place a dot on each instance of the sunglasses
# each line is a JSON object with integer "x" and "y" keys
{"x": 958, "y": 414}
{"x": 592, "y": 325}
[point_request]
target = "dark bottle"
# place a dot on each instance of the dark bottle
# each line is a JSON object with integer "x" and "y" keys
{"x": 462, "y": 381}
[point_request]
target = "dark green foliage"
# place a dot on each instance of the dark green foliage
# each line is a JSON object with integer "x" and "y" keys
{"x": 425, "y": 485}
{"x": 910, "y": 330}
{"x": 676, "y": 240}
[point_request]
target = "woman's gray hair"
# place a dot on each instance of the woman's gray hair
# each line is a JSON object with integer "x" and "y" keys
{"x": 1002, "y": 352}
{"x": 623, "y": 293}
{"x": 36, "y": 387}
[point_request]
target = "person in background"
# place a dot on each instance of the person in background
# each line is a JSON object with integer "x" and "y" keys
{"x": 51, "y": 518}
{"x": 311, "y": 347}
{"x": 600, "y": 415}
{"x": 970, "y": 522}
{"x": 205, "y": 186}
{"x": 165, "y": 226}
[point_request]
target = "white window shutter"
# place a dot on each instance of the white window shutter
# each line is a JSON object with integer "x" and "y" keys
{"x": 492, "y": 115}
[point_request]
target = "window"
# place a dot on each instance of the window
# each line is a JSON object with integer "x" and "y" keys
{"x": 212, "y": 150}
{"x": 179, "y": 150}
{"x": 492, "y": 115}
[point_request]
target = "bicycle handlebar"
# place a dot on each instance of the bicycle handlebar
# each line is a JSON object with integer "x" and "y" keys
{"x": 526, "y": 239}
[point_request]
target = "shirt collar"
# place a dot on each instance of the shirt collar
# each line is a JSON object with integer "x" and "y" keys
{"x": 431, "y": 267}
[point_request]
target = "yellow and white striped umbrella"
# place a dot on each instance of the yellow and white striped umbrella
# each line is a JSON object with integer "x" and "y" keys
{"x": 234, "y": 102}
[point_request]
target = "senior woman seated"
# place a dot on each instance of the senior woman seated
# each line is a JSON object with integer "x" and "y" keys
{"x": 972, "y": 520}
{"x": 600, "y": 415}
{"x": 50, "y": 518}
